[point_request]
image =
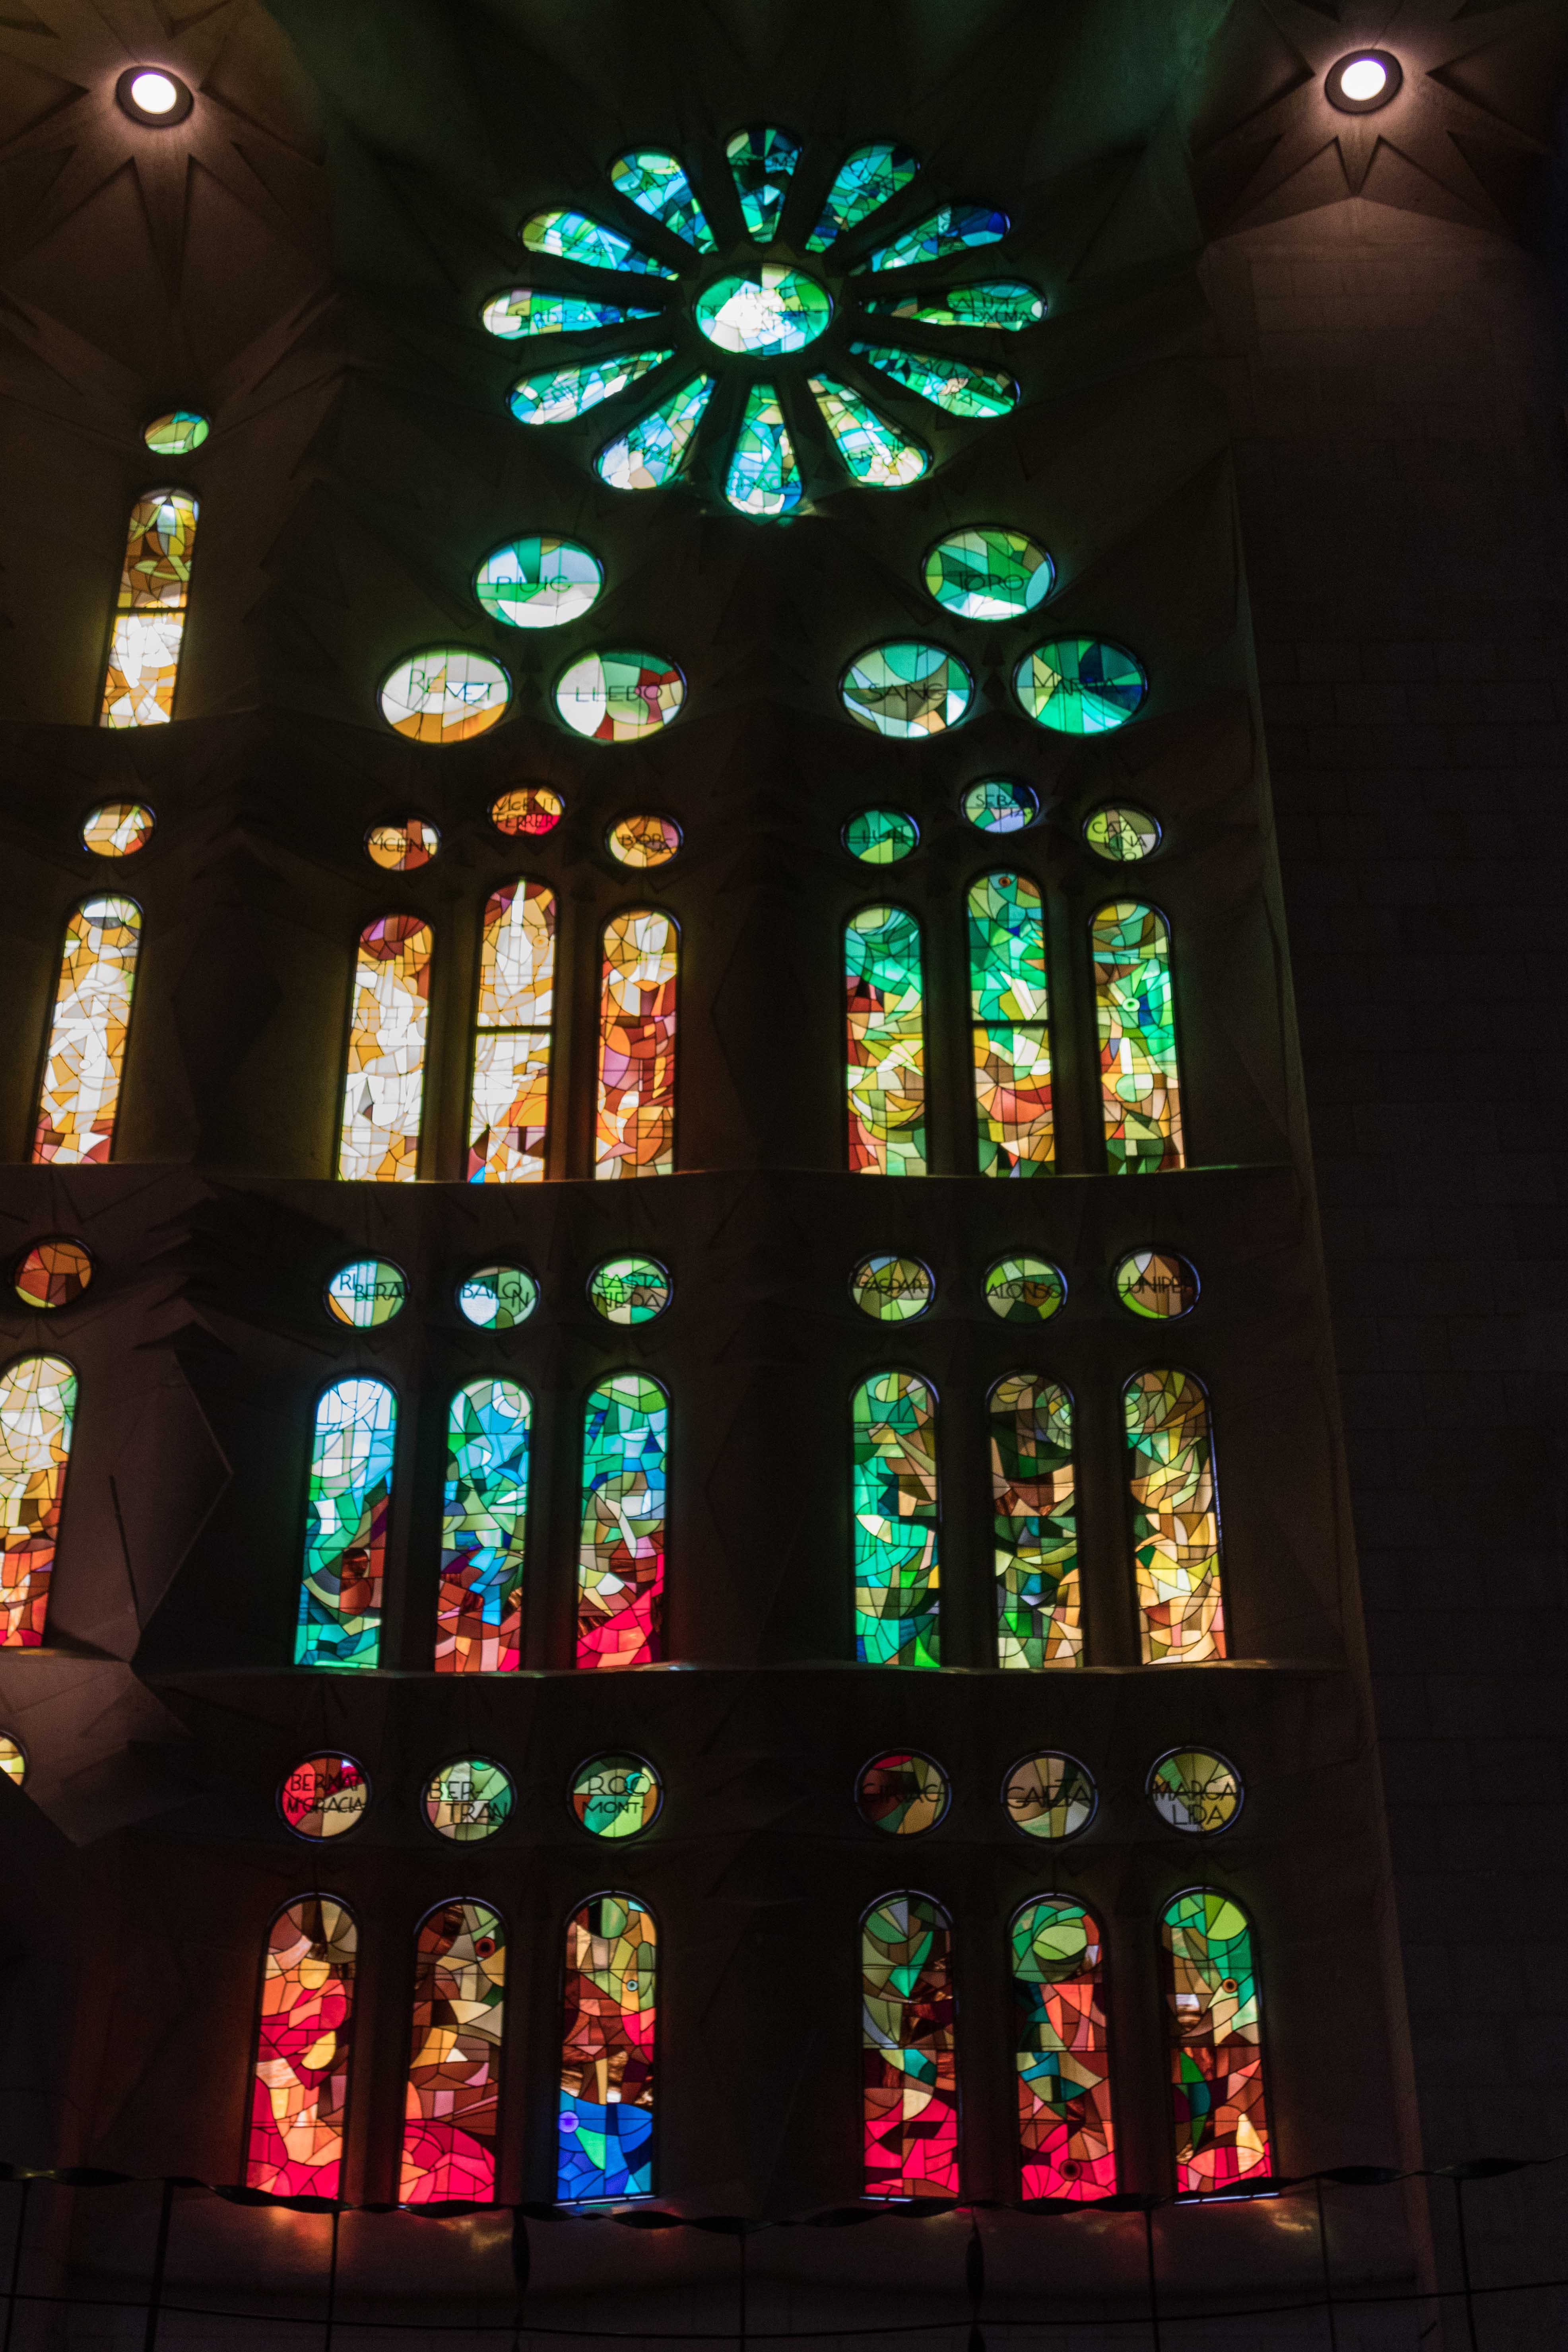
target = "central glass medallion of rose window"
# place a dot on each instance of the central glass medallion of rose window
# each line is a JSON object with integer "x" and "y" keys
{"x": 772, "y": 311}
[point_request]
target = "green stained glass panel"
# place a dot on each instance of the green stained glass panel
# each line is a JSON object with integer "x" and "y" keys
{"x": 1014, "y": 1112}
{"x": 1033, "y": 1524}
{"x": 766, "y": 313}
{"x": 657, "y": 448}
{"x": 876, "y": 454}
{"x": 352, "y": 1457}
{"x": 538, "y": 583}
{"x": 762, "y": 162}
{"x": 986, "y": 574}
{"x": 957, "y": 229}
{"x": 896, "y": 1565}
{"x": 1001, "y": 804}
{"x": 1024, "y": 1289}
{"x": 656, "y": 183}
{"x": 1080, "y": 686}
{"x": 525, "y": 310}
{"x": 763, "y": 479}
{"x": 629, "y": 1289}
{"x": 1122, "y": 835}
{"x": 1005, "y": 302}
{"x": 948, "y": 383}
{"x": 907, "y": 690}
{"x": 892, "y": 1289}
{"x": 885, "y": 1045}
{"x": 574, "y": 237}
{"x": 1140, "y": 1080}
{"x": 868, "y": 178}
{"x": 567, "y": 391}
{"x": 880, "y": 837}
{"x": 178, "y": 433}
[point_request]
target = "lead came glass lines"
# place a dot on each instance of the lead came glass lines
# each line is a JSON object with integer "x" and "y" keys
{"x": 885, "y": 1076}
{"x": 1141, "y": 1092}
{"x": 453, "y": 2096}
{"x": 620, "y": 1560}
{"x": 1175, "y": 1518}
{"x": 509, "y": 1122}
{"x": 79, "y": 1099}
{"x": 895, "y": 1526}
{"x": 1009, "y": 1000}
{"x": 345, "y": 1528}
{"x": 606, "y": 2110}
{"x": 37, "y": 1412}
{"x": 1215, "y": 2030}
{"x": 149, "y": 611}
{"x": 1034, "y": 1524}
{"x": 484, "y": 1527}
{"x": 1065, "y": 2131}
{"x": 384, "y": 1090}
{"x": 299, "y": 2082}
{"x": 636, "y": 1131}
{"x": 910, "y": 2082}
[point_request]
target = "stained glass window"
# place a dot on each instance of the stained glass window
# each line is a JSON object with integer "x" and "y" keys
{"x": 880, "y": 837}
{"x": 948, "y": 383}
{"x": 1050, "y": 1796}
{"x": 764, "y": 477}
{"x": 299, "y": 2083}
{"x": 1034, "y": 1524}
{"x": 1216, "y": 2059}
{"x": 1065, "y": 2132}
{"x": 906, "y": 689}
{"x": 86, "y": 1058}
{"x": 643, "y": 841}
{"x": 902, "y": 1793}
{"x": 885, "y": 1067}
{"x": 403, "y": 847}
{"x": 484, "y": 1530}
{"x": 1195, "y": 1791}
{"x": 1175, "y": 1518}
{"x": 878, "y": 454}
{"x": 1025, "y": 1289}
{"x": 384, "y": 1087}
{"x": 896, "y": 1573}
{"x": 53, "y": 1275}
{"x": 509, "y": 1115}
{"x": 37, "y": 1411}
{"x": 572, "y": 236}
{"x": 988, "y": 575}
{"x": 324, "y": 1796}
{"x": 528, "y": 310}
{"x": 558, "y": 395}
{"x": 1122, "y": 834}
{"x": 907, "y": 2039}
{"x": 539, "y": 582}
{"x": 498, "y": 1297}
{"x": 1080, "y": 686}
{"x": 367, "y": 1294}
{"x": 176, "y": 433}
{"x": 766, "y": 313}
{"x": 616, "y": 1796}
{"x": 1001, "y": 804}
{"x": 345, "y": 1528}
{"x": 469, "y": 1800}
{"x": 892, "y": 1289}
{"x": 531, "y": 812}
{"x": 607, "y": 2051}
{"x": 629, "y": 1289}
{"x": 149, "y": 611}
{"x": 655, "y": 450}
{"x": 868, "y": 178}
{"x": 1156, "y": 1284}
{"x": 13, "y": 1760}
{"x": 445, "y": 694}
{"x": 635, "y": 1128}
{"x": 656, "y": 183}
{"x": 957, "y": 229}
{"x": 762, "y": 163}
{"x": 1009, "y": 1002}
{"x": 453, "y": 2100}
{"x": 613, "y": 697}
{"x": 620, "y": 1559}
{"x": 1140, "y": 1083}
{"x": 1005, "y": 302}
{"x": 118, "y": 828}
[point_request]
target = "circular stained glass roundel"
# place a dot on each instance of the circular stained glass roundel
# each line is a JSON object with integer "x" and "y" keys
{"x": 1196, "y": 1790}
{"x": 989, "y": 576}
{"x": 892, "y": 1289}
{"x": 1122, "y": 835}
{"x": 616, "y": 1796}
{"x": 445, "y": 694}
{"x": 1001, "y": 804}
{"x": 1049, "y": 1796}
{"x": 118, "y": 829}
{"x": 1024, "y": 1289}
{"x": 53, "y": 1274}
{"x": 469, "y": 1800}
{"x": 498, "y": 1297}
{"x": 613, "y": 697}
{"x": 176, "y": 433}
{"x": 532, "y": 810}
{"x": 1156, "y": 1284}
{"x": 324, "y": 1796}
{"x": 369, "y": 1292}
{"x": 629, "y": 1289}
{"x": 880, "y": 837}
{"x": 1080, "y": 686}
{"x": 13, "y": 1758}
{"x": 907, "y": 690}
{"x": 402, "y": 848}
{"x": 538, "y": 583}
{"x": 902, "y": 1793}
{"x": 766, "y": 313}
{"x": 643, "y": 840}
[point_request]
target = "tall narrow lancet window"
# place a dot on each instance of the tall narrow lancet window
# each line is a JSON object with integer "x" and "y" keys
{"x": 79, "y": 1097}
{"x": 636, "y": 1129}
{"x": 384, "y": 1090}
{"x": 910, "y": 2068}
{"x": 484, "y": 1530}
{"x": 299, "y": 2082}
{"x": 1140, "y": 1087}
{"x": 453, "y": 2099}
{"x": 620, "y": 1559}
{"x": 1009, "y": 1003}
{"x": 1035, "y": 1524}
{"x": 896, "y": 1573}
{"x": 885, "y": 1060}
{"x": 607, "y": 2051}
{"x": 345, "y": 1531}
{"x": 1066, "y": 2137}
{"x": 510, "y": 1118}
{"x": 1175, "y": 1518}
{"x": 1214, "y": 2021}
{"x": 149, "y": 611}
{"x": 38, "y": 1409}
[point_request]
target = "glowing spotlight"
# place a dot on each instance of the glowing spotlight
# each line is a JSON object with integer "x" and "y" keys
{"x": 150, "y": 95}
{"x": 1363, "y": 77}
{"x": 1363, "y": 81}
{"x": 156, "y": 94}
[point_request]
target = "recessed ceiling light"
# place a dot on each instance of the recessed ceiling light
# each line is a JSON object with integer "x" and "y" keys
{"x": 151, "y": 95}
{"x": 1363, "y": 81}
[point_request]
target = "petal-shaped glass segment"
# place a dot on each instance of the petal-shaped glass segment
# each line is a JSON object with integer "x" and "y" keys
{"x": 769, "y": 312}
{"x": 574, "y": 237}
{"x": 763, "y": 478}
{"x": 567, "y": 391}
{"x": 866, "y": 178}
{"x": 655, "y": 449}
{"x": 615, "y": 697}
{"x": 762, "y": 162}
{"x": 445, "y": 694}
{"x": 656, "y": 183}
{"x": 879, "y": 457}
{"x": 957, "y": 229}
{"x": 988, "y": 575}
{"x": 906, "y": 689}
{"x": 1080, "y": 686}
{"x": 525, "y": 310}
{"x": 538, "y": 583}
{"x": 1000, "y": 302}
{"x": 962, "y": 391}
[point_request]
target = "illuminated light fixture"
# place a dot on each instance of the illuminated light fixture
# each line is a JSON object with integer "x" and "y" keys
{"x": 150, "y": 94}
{"x": 1362, "y": 82}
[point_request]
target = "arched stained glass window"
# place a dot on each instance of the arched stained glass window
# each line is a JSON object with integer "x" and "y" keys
{"x": 484, "y": 1528}
{"x": 1175, "y": 1518}
{"x": 1214, "y": 2021}
{"x": 1010, "y": 1005}
{"x": 80, "y": 1097}
{"x": 453, "y": 2097}
{"x": 620, "y": 1560}
{"x": 299, "y": 2083}
{"x": 896, "y": 1525}
{"x": 37, "y": 1409}
{"x": 907, "y": 2036}
{"x": 636, "y": 1133}
{"x": 345, "y": 1528}
{"x": 1066, "y": 2135}
{"x": 149, "y": 611}
{"x": 1035, "y": 1524}
{"x": 384, "y": 1090}
{"x": 509, "y": 1119}
{"x": 885, "y": 1075}
{"x": 607, "y": 2051}
{"x": 1140, "y": 1086}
